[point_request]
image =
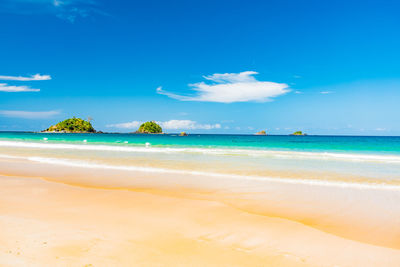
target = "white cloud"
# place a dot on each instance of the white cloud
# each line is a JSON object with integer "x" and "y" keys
{"x": 12, "y": 88}
{"x": 57, "y": 3}
{"x": 326, "y": 92}
{"x": 23, "y": 88}
{"x": 29, "y": 114}
{"x": 231, "y": 87}
{"x": 125, "y": 125}
{"x": 245, "y": 76}
{"x": 169, "y": 125}
{"x": 69, "y": 10}
{"x": 36, "y": 77}
{"x": 187, "y": 125}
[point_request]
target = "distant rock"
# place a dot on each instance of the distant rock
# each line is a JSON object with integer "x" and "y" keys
{"x": 261, "y": 133}
{"x": 183, "y": 134}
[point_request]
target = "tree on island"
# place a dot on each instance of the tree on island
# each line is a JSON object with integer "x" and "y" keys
{"x": 298, "y": 133}
{"x": 150, "y": 127}
{"x": 72, "y": 125}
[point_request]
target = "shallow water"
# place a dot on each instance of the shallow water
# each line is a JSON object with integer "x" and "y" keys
{"x": 382, "y": 145}
{"x": 373, "y": 160}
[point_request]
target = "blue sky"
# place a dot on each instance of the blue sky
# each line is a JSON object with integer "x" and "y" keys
{"x": 324, "y": 67}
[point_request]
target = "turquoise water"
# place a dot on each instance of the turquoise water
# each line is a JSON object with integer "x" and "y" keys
{"x": 334, "y": 144}
{"x": 369, "y": 158}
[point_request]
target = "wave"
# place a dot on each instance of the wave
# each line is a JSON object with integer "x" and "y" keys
{"x": 212, "y": 151}
{"x": 310, "y": 182}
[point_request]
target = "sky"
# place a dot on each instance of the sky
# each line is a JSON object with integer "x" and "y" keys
{"x": 323, "y": 67}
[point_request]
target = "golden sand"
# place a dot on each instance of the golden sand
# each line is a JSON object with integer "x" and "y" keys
{"x": 61, "y": 222}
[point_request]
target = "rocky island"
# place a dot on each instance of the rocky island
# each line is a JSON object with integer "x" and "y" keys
{"x": 298, "y": 133}
{"x": 261, "y": 133}
{"x": 150, "y": 127}
{"x": 72, "y": 125}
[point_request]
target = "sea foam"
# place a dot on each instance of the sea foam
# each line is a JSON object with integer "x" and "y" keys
{"x": 147, "y": 148}
{"x": 310, "y": 182}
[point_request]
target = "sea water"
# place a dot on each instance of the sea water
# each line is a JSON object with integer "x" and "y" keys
{"x": 369, "y": 159}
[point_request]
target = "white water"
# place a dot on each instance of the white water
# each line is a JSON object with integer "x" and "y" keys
{"x": 213, "y": 151}
{"x": 86, "y": 164}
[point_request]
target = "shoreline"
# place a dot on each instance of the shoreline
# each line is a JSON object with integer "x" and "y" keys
{"x": 347, "y": 169}
{"x": 338, "y": 182}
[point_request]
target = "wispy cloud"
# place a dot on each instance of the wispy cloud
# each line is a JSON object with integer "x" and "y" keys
{"x": 231, "y": 87}
{"x": 169, "y": 125}
{"x": 326, "y": 92}
{"x": 36, "y": 77}
{"x": 29, "y": 114}
{"x": 4, "y": 87}
{"x": 187, "y": 125}
{"x": 68, "y": 10}
{"x": 12, "y": 88}
{"x": 125, "y": 125}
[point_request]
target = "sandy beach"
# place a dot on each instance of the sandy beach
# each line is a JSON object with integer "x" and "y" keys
{"x": 70, "y": 220}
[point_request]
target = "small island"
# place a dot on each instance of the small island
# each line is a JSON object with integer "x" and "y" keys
{"x": 72, "y": 125}
{"x": 150, "y": 127}
{"x": 298, "y": 133}
{"x": 183, "y": 134}
{"x": 261, "y": 133}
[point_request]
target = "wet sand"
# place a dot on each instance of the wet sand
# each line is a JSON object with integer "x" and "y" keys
{"x": 75, "y": 220}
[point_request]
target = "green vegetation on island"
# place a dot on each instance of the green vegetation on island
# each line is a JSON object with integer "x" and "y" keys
{"x": 150, "y": 127}
{"x": 261, "y": 133}
{"x": 298, "y": 133}
{"x": 72, "y": 125}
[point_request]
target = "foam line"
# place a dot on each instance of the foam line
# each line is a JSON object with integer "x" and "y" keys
{"x": 213, "y": 151}
{"x": 85, "y": 164}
